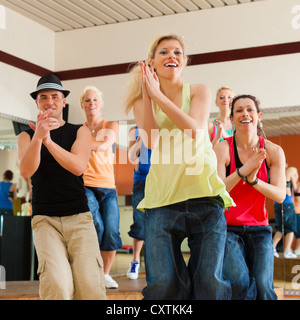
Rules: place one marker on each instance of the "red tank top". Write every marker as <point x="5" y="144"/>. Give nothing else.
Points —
<point x="250" y="204"/>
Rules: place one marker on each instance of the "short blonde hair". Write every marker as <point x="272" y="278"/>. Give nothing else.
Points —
<point x="91" y="88"/>
<point x="223" y="88"/>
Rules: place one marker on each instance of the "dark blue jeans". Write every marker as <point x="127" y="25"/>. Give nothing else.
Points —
<point x="103" y="204"/>
<point x="249" y="262"/>
<point x="203" y="222"/>
<point x="289" y="217"/>
<point x="137" y="228"/>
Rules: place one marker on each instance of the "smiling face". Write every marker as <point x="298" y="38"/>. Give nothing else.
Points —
<point x="53" y="100"/>
<point x="244" y="114"/>
<point x="168" y="59"/>
<point x="91" y="103"/>
<point x="224" y="98"/>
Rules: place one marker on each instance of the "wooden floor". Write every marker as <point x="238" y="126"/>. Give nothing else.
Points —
<point x="131" y="289"/>
<point x="128" y="290"/>
<point x="29" y="290"/>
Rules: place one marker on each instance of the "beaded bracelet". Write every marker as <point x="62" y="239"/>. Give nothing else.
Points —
<point x="253" y="183"/>
<point x="242" y="177"/>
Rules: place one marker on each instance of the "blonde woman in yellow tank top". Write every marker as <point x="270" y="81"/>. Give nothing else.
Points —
<point x="184" y="197"/>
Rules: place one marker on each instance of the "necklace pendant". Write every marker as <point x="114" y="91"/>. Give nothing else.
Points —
<point x="93" y="131"/>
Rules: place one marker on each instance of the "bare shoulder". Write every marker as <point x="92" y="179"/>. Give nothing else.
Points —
<point x="210" y="126"/>
<point x="113" y="125"/>
<point x="23" y="137"/>
<point x="200" y="89"/>
<point x="275" y="152"/>
<point x="273" y="148"/>
<point x="222" y="151"/>
<point x="83" y="133"/>
<point x="83" y="130"/>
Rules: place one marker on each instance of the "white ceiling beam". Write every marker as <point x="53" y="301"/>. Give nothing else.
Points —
<point x="202" y="4"/>
<point x="162" y="7"/>
<point x="107" y="10"/>
<point x="93" y="11"/>
<point x="74" y="6"/>
<point x="216" y="3"/>
<point x="188" y="4"/>
<point x="145" y="5"/>
<point x="120" y="9"/>
<point x="175" y="6"/>
<point x="230" y="2"/>
<point x="55" y="13"/>
<point x="130" y="6"/>
<point x="68" y="13"/>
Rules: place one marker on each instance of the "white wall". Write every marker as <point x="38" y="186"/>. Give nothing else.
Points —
<point x="31" y="42"/>
<point x="15" y="86"/>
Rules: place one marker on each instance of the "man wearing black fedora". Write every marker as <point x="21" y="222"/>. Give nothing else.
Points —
<point x="54" y="154"/>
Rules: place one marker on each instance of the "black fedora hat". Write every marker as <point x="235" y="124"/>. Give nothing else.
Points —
<point x="49" y="82"/>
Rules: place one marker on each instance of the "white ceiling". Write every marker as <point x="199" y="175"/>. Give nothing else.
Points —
<point x="61" y="15"/>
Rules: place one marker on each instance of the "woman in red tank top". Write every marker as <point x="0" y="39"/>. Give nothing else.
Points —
<point x="252" y="168"/>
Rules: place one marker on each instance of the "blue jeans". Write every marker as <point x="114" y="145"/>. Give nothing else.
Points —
<point x="203" y="222"/>
<point x="289" y="217"/>
<point x="137" y="228"/>
<point x="249" y="262"/>
<point x="103" y="204"/>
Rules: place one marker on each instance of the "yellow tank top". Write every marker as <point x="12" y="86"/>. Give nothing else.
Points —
<point x="100" y="170"/>
<point x="181" y="168"/>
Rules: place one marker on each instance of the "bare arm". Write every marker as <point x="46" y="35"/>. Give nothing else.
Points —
<point x="106" y="137"/>
<point x="29" y="154"/>
<point x="220" y="132"/>
<point x="223" y="156"/>
<point x="251" y="165"/>
<point x="13" y="189"/>
<point x="77" y="159"/>
<point x="145" y="116"/>
<point x="274" y="190"/>
<point x="134" y="147"/>
<point x="29" y="150"/>
<point x="199" y="109"/>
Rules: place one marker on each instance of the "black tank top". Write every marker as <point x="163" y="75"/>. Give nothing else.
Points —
<point x="55" y="190"/>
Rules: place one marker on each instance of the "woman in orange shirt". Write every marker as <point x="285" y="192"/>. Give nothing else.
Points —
<point x="99" y="180"/>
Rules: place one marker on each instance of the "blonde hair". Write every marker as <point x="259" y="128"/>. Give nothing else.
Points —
<point x="91" y="88"/>
<point x="134" y="86"/>
<point x="223" y="88"/>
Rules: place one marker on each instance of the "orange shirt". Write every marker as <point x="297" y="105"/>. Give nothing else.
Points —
<point x="100" y="170"/>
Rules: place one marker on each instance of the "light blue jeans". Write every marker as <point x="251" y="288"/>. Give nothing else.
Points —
<point x="103" y="204"/>
<point x="249" y="262"/>
<point x="203" y="222"/>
